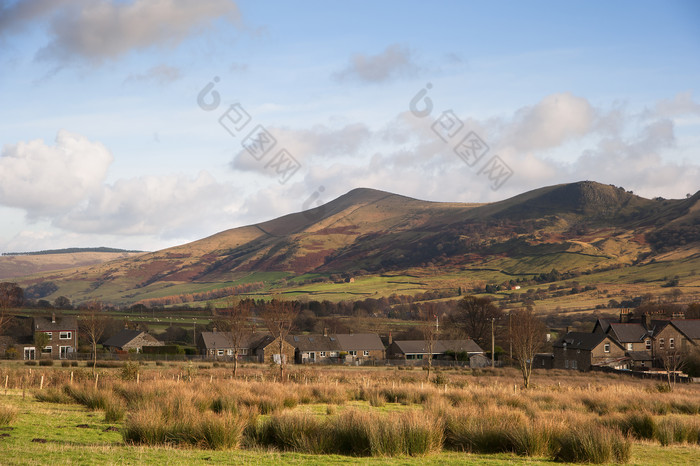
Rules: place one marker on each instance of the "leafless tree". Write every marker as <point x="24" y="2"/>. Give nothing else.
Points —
<point x="11" y="297"/>
<point x="234" y="323"/>
<point x="473" y="317"/>
<point x="93" y="325"/>
<point x="528" y="339"/>
<point x="429" y="328"/>
<point x="673" y="361"/>
<point x="279" y="316"/>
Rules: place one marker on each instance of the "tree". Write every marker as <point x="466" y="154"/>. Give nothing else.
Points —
<point x="279" y="316"/>
<point x="235" y="324"/>
<point x="41" y="341"/>
<point x="673" y="361"/>
<point x="429" y="328"/>
<point x="62" y="303"/>
<point x="473" y="317"/>
<point x="93" y="325"/>
<point x="11" y="297"/>
<point x="528" y="336"/>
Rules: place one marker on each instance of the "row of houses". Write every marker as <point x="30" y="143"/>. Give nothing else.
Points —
<point x="639" y="344"/>
<point x="334" y="348"/>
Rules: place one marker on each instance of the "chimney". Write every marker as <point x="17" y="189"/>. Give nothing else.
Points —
<point x="53" y="317"/>
<point x="624" y="316"/>
<point x="325" y="331"/>
<point x="567" y="330"/>
<point x="390" y="339"/>
<point x="213" y="329"/>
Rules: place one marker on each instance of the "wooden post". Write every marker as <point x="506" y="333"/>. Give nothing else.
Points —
<point x="6" y="379"/>
<point x="41" y="385"/>
<point x="138" y="378"/>
<point x="97" y="377"/>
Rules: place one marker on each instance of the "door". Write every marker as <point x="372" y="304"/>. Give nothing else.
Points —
<point x="29" y="353"/>
<point x="65" y="351"/>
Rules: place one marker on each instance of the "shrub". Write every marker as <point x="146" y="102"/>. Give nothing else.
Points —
<point x="65" y="363"/>
<point x="46" y="362"/>
<point x="130" y="371"/>
<point x="592" y="444"/>
<point x="7" y="415"/>
<point x="53" y="395"/>
<point x="30" y="363"/>
<point x="74" y="364"/>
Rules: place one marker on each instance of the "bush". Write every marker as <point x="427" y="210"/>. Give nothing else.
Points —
<point x="592" y="444"/>
<point x="65" y="363"/>
<point x="130" y="371"/>
<point x="46" y="362"/>
<point x="30" y="363"/>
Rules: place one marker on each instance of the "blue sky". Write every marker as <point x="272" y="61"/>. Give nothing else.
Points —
<point x="104" y="142"/>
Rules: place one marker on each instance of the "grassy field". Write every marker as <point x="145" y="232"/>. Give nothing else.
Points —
<point x="196" y="414"/>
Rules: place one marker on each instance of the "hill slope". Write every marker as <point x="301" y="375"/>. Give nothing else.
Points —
<point x="581" y="226"/>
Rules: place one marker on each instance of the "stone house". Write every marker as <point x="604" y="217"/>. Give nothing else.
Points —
<point x="360" y="346"/>
<point x="419" y="349"/>
<point x="130" y="340"/>
<point x="254" y="347"/>
<point x="580" y="351"/>
<point x="315" y="348"/>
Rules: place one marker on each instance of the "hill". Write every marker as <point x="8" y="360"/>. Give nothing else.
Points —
<point x="583" y="227"/>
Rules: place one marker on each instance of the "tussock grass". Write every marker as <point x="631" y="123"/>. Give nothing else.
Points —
<point x="7" y="415"/>
<point x="593" y="443"/>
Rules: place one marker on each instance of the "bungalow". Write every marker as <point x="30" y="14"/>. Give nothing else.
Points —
<point x="130" y="340"/>
<point x="419" y="349"/>
<point x="315" y="348"/>
<point x="580" y="351"/>
<point x="62" y="333"/>
<point x="361" y="346"/>
<point x="255" y="346"/>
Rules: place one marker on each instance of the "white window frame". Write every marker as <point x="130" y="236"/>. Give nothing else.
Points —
<point x="365" y="353"/>
<point x="606" y="348"/>
<point x="220" y="352"/>
<point x="69" y="335"/>
<point x="574" y="364"/>
<point x="47" y="349"/>
<point x="629" y="346"/>
<point x="671" y="343"/>
<point x="647" y="343"/>
<point x="352" y="353"/>
<point x="322" y="354"/>
<point x="662" y="343"/>
<point x="49" y="334"/>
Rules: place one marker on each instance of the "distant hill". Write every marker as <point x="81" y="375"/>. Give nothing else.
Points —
<point x="581" y="227"/>
<point x="70" y="251"/>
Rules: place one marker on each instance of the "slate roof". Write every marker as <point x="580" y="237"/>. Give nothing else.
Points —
<point x="638" y="355"/>
<point x="315" y="342"/>
<point x="689" y="327"/>
<point x="580" y="340"/>
<point x="221" y="340"/>
<point x="628" y="332"/>
<point x="603" y="324"/>
<point x="359" y="341"/>
<point x="124" y="337"/>
<point x="63" y="323"/>
<point x="440" y="346"/>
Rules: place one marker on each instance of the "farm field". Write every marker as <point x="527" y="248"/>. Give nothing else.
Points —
<point x="178" y="413"/>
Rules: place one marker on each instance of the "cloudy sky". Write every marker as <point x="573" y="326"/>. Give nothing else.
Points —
<point x="143" y="124"/>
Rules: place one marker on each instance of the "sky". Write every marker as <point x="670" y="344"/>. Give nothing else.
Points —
<point x="145" y="124"/>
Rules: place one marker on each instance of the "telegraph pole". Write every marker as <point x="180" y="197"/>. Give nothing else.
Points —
<point x="493" y="344"/>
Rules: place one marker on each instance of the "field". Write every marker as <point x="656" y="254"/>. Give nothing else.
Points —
<point x="197" y="413"/>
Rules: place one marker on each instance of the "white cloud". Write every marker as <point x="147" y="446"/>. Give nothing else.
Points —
<point x="160" y="74"/>
<point x="394" y="61"/>
<point x="681" y="104"/>
<point x="95" y="30"/>
<point x="46" y="180"/>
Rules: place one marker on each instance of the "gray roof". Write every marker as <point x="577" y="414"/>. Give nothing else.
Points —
<point x="628" y="332"/>
<point x="222" y="340"/>
<point x="123" y="338"/>
<point x="690" y="327"/>
<point x="639" y="355"/>
<point x="581" y="340"/>
<point x="63" y="323"/>
<point x="315" y="342"/>
<point x="440" y="346"/>
<point x="359" y="341"/>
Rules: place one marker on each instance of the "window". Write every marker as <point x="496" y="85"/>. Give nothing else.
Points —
<point x="606" y="348"/>
<point x="230" y="352"/>
<point x="647" y="343"/>
<point x="243" y="351"/>
<point x="671" y="343"/>
<point x="322" y="354"/>
<point x="566" y="364"/>
<point x="643" y="364"/>
<point x="46" y="350"/>
<point x="65" y="335"/>
<point x="49" y="334"/>
<point x="334" y="354"/>
<point x="661" y="343"/>
<point x="629" y="346"/>
<point x="220" y="352"/>
<point x="365" y="353"/>
<point x="574" y="365"/>
<point x="352" y="353"/>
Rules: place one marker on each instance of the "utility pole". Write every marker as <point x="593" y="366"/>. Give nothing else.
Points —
<point x="493" y="344"/>
<point x="510" y="337"/>
<point x="194" y="331"/>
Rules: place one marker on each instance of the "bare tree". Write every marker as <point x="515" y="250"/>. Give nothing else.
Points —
<point x="235" y="323"/>
<point x="279" y="316"/>
<point x="673" y="361"/>
<point x="93" y="325"/>
<point x="429" y="327"/>
<point x="11" y="297"/>
<point x="473" y="317"/>
<point x="528" y="339"/>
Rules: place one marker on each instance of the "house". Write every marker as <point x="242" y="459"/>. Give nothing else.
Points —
<point x="360" y="346"/>
<point x="580" y="351"/>
<point x="543" y="361"/>
<point x="419" y="349"/>
<point x="254" y="346"/>
<point x="315" y="348"/>
<point x="676" y="335"/>
<point x="130" y="340"/>
<point x="62" y="333"/>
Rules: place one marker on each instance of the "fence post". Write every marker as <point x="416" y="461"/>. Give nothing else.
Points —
<point x="97" y="377"/>
<point x="71" y="377"/>
<point x="41" y="384"/>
